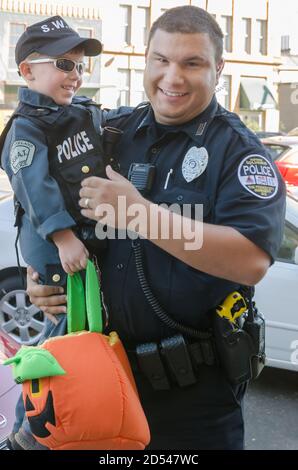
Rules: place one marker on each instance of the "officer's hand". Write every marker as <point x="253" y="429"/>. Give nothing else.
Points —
<point x="50" y="299"/>
<point x="116" y="192"/>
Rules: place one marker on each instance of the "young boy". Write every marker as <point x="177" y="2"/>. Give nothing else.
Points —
<point x="52" y="143"/>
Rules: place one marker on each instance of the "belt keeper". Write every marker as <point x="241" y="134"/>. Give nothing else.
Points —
<point x="178" y="360"/>
<point x="207" y="352"/>
<point x="151" y="365"/>
<point x="196" y="353"/>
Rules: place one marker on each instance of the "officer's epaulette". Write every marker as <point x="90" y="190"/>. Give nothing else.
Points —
<point x="122" y="114"/>
<point x="123" y="111"/>
<point x="234" y="121"/>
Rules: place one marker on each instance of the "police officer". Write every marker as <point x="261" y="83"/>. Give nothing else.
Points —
<point x="200" y="154"/>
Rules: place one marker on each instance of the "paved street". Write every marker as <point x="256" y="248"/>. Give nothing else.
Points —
<point x="271" y="411"/>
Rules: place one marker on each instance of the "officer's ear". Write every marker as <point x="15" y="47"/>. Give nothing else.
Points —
<point x="219" y="67"/>
<point x="25" y="71"/>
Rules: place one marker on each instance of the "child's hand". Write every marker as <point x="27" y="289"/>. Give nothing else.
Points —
<point x="72" y="252"/>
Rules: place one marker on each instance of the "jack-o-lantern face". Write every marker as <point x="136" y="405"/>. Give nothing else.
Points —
<point x="47" y="415"/>
<point x="94" y="405"/>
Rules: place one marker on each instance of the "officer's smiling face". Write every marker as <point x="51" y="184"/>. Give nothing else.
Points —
<point x="180" y="75"/>
<point x="58" y="85"/>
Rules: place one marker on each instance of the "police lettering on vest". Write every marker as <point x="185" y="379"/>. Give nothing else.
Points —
<point x="74" y="146"/>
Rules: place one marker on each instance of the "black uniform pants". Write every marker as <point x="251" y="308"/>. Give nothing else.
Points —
<point x="204" y="416"/>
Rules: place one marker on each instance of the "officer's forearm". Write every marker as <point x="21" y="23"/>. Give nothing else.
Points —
<point x="224" y="253"/>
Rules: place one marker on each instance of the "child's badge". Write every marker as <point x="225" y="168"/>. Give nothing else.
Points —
<point x="194" y="163"/>
<point x="21" y="154"/>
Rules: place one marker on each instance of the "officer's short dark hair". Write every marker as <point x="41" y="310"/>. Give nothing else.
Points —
<point x="189" y="19"/>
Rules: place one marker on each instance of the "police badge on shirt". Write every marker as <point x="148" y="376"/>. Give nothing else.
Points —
<point x="194" y="163"/>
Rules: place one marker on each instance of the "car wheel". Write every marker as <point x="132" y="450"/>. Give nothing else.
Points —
<point x="20" y="319"/>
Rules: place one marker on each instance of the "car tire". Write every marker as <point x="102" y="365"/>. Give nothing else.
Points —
<point x="20" y="319"/>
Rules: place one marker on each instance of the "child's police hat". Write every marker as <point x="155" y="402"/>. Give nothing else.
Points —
<point x="53" y="37"/>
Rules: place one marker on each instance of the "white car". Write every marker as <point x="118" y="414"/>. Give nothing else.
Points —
<point x="18" y="317"/>
<point x="276" y="295"/>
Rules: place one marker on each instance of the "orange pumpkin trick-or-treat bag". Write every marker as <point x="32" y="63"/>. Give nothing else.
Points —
<point x="78" y="389"/>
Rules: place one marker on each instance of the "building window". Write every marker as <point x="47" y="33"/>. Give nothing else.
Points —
<point x="131" y="89"/>
<point x="11" y="95"/>
<point x="137" y="88"/>
<point x="285" y="44"/>
<point x="125" y="11"/>
<point x="262" y="34"/>
<point x="223" y="91"/>
<point x="15" y="31"/>
<point x="247" y="34"/>
<point x="254" y="120"/>
<point x="124" y="87"/>
<point x="227" y="31"/>
<point x="86" y="33"/>
<point x="143" y="23"/>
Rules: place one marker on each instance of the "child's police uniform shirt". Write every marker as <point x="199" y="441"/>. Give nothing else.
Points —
<point x="48" y="151"/>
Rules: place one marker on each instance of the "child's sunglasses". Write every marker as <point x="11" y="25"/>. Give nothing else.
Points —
<point x="63" y="64"/>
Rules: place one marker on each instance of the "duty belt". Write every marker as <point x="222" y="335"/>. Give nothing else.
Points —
<point x="173" y="361"/>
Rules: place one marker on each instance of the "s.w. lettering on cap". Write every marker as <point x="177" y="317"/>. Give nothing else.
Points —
<point x="58" y="24"/>
<point x="53" y="37"/>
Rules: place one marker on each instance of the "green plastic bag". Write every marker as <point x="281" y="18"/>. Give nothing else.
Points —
<point x="80" y="301"/>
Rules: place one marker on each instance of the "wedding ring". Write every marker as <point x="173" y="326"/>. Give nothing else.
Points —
<point x="87" y="203"/>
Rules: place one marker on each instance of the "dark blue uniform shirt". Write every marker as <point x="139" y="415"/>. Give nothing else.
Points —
<point x="238" y="186"/>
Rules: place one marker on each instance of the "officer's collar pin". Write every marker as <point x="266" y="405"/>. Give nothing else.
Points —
<point x="141" y="123"/>
<point x="201" y="128"/>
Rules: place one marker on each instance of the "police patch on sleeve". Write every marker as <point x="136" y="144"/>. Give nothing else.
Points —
<point x="21" y="154"/>
<point x="194" y="163"/>
<point x="257" y="175"/>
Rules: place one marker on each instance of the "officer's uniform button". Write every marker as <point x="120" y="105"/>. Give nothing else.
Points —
<point x="85" y="169"/>
<point x="56" y="278"/>
<point x="120" y="266"/>
<point x="180" y="197"/>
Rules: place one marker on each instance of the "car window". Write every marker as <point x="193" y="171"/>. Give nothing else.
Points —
<point x="275" y="150"/>
<point x="289" y="244"/>
<point x="292" y="157"/>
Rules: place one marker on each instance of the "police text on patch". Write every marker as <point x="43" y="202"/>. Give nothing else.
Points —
<point x="257" y="175"/>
